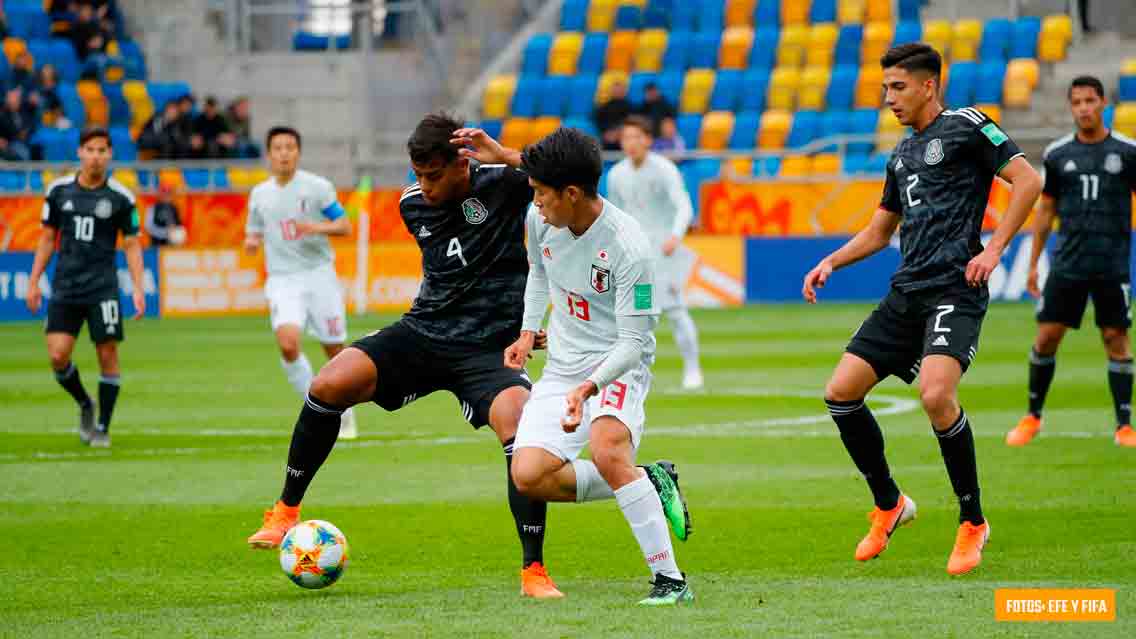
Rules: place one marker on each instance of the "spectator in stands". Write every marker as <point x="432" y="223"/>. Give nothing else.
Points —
<point x="51" y="107"/>
<point x="656" y="107"/>
<point x="86" y="31"/>
<point x="609" y="116"/>
<point x="162" y="137"/>
<point x="210" y="124"/>
<point x="16" y="128"/>
<point x="163" y="223"/>
<point x="241" y="126"/>
<point x="23" y="73"/>
<point x="3" y="24"/>
<point x="668" y="139"/>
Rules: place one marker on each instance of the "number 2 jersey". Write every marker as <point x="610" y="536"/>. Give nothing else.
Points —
<point x="473" y="260"/>
<point x="88" y="222"/>
<point x="939" y="181"/>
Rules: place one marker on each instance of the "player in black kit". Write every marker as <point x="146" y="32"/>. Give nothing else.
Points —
<point x="84" y="213"/>
<point x="468" y="221"/>
<point x="1089" y="179"/>
<point x="938" y="183"/>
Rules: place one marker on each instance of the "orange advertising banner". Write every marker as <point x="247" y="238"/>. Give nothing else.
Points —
<point x="1050" y="604"/>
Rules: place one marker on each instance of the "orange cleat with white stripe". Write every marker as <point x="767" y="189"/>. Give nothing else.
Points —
<point x="969" y="542"/>
<point x="884" y="523"/>
<point x="536" y="583"/>
<point x="1024" y="432"/>
<point x="277" y="523"/>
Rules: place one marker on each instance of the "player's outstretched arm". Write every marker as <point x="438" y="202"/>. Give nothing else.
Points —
<point x="335" y="228"/>
<point x="871" y="240"/>
<point x="1026" y="185"/>
<point x="43" y="253"/>
<point x="132" y="246"/>
<point x="476" y="144"/>
<point x="1042" y="227"/>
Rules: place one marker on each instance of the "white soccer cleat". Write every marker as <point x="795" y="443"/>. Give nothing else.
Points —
<point x="347" y="427"/>
<point x="692" y="380"/>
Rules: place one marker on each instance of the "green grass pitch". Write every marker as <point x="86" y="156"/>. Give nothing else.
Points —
<point x="148" y="539"/>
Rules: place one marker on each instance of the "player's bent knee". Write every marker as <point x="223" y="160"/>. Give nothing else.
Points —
<point x="937" y="398"/>
<point x="836" y="392"/>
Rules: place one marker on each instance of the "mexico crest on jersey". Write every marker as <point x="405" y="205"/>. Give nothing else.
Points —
<point x="1113" y="164"/>
<point x="474" y="211"/>
<point x="934" y="153"/>
<point x="601" y="279"/>
<point x="103" y="209"/>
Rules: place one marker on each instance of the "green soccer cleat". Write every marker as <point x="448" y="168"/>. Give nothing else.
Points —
<point x="668" y="592"/>
<point x="86" y="423"/>
<point x="665" y="479"/>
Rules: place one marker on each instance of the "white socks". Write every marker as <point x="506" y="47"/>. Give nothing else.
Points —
<point x="644" y="512"/>
<point x="590" y="484"/>
<point x="299" y="374"/>
<point x="686" y="337"/>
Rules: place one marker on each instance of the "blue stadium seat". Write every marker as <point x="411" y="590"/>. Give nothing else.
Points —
<point x="4" y="70"/>
<point x="832" y="124"/>
<point x="72" y="105"/>
<point x="135" y="62"/>
<point x="41" y="51"/>
<point x="29" y="23"/>
<point x="728" y="89"/>
<point x="822" y="11"/>
<point x="59" y="145"/>
<point x="689" y="126"/>
<point x="767" y="13"/>
<point x="806" y="128"/>
<point x="695" y="172"/>
<point x="574" y="15"/>
<point x="628" y="17"/>
<point x="677" y="56"/>
<point x="756" y="83"/>
<point x="535" y="57"/>
<point x="908" y="31"/>
<point x="990" y="78"/>
<point x="1109" y="111"/>
<point x="492" y="127"/>
<point x="525" y="96"/>
<point x="705" y="53"/>
<point x="124" y="147"/>
<point x="35" y="181"/>
<point x="960" y="84"/>
<point x="638" y="86"/>
<point x="877" y="163"/>
<point x="909" y="10"/>
<point x="684" y="16"/>
<point x="119" y="109"/>
<point x="744" y="135"/>
<point x="65" y="61"/>
<point x="584" y="124"/>
<point x="13" y="181"/>
<point x="854" y="163"/>
<point x="221" y="179"/>
<point x="196" y="179"/>
<point x="711" y="15"/>
<point x="995" y="40"/>
<point x="553" y="95"/>
<point x="1023" y="40"/>
<point x="848" y="44"/>
<point x="842" y="87"/>
<point x="862" y="122"/>
<point x="305" y="41"/>
<point x="582" y="93"/>
<point x="592" y="54"/>
<point x="767" y="167"/>
<point x="657" y="15"/>
<point x="1127" y="88"/>
<point x="763" y="55"/>
<point x="670" y="85"/>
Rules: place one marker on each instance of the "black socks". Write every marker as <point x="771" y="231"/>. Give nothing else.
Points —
<point x="312" y="440"/>
<point x="68" y="378"/>
<point x="108" y="395"/>
<point x="865" y="444"/>
<point x="957" y="446"/>
<point x="1041" y="369"/>
<point x="1120" y="383"/>
<point x="529" y="514"/>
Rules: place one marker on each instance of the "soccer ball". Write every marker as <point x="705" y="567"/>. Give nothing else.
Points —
<point x="313" y="554"/>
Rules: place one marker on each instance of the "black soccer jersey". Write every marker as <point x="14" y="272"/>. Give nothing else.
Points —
<point x="1092" y="185"/>
<point x="88" y="222"/>
<point x="473" y="260"/>
<point x="939" y="180"/>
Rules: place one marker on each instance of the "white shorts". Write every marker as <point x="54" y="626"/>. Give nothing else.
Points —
<point x="540" y="425"/>
<point x="311" y="300"/>
<point x="671" y="273"/>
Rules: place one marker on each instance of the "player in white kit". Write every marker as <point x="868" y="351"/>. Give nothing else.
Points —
<point x="649" y="187"/>
<point x="291" y="214"/>
<point x="593" y="262"/>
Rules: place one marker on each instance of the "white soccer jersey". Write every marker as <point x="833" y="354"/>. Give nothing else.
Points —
<point x="273" y="211"/>
<point x="654" y="194"/>
<point x="593" y="280"/>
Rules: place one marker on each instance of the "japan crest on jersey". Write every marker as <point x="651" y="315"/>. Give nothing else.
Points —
<point x="601" y="279"/>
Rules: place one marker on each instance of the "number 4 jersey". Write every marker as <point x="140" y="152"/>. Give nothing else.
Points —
<point x="939" y="181"/>
<point x="88" y="222"/>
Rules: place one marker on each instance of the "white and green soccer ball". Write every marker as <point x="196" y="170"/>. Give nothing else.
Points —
<point x="313" y="554"/>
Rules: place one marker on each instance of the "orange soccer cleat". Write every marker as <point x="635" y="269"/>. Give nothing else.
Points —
<point x="277" y="523"/>
<point x="536" y="583"/>
<point x="1027" y="428"/>
<point x="967" y="553"/>
<point x="884" y="523"/>
<point x="1125" y="436"/>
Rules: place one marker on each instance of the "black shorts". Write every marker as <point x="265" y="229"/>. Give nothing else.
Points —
<point x="906" y="327"/>
<point x="411" y="366"/>
<point x="104" y="319"/>
<point x="1064" y="300"/>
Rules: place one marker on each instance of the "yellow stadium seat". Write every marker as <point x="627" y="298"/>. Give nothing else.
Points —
<point x="877" y="40"/>
<point x="794" y="12"/>
<point x="134" y="90"/>
<point x="516" y="132"/>
<point x="1017" y="95"/>
<point x="965" y="37"/>
<point x="565" y="53"/>
<point x="88" y="90"/>
<point x="696" y="91"/>
<point x="879" y="10"/>
<point x="869" y="93"/>
<point x="128" y="177"/>
<point x="850" y="11"/>
<point x="796" y="166"/>
<point x="888" y="130"/>
<point x="1129" y="67"/>
<point x="774" y="128"/>
<point x="826" y="164"/>
<point x="171" y="177"/>
<point x="791" y="47"/>
<point x="717" y="126"/>
<point x="741" y="167"/>
<point x="650" y="48"/>
<point x="608" y="78"/>
<point x="601" y="14"/>
<point x="1023" y="70"/>
<point x="739" y="13"/>
<point x="542" y="127"/>
<point x="822" y="42"/>
<point x="13" y="47"/>
<point x="736" y="43"/>
<point x="938" y="33"/>
<point x="783" y="85"/>
<point x="992" y="110"/>
<point x="498" y="96"/>
<point x="813" y="87"/>
<point x="1054" y="38"/>
<point x="1124" y="120"/>
<point x="621" y="50"/>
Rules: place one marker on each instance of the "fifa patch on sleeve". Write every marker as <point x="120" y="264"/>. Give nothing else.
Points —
<point x="643" y="297"/>
<point x="994" y="134"/>
<point x="134" y="218"/>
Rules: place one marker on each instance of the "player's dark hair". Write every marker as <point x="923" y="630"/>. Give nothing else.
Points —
<point x="430" y="140"/>
<point x="640" y="122"/>
<point x="282" y="130"/>
<point x="91" y="133"/>
<point x="1087" y="81"/>
<point x="566" y="157"/>
<point x="914" y="56"/>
